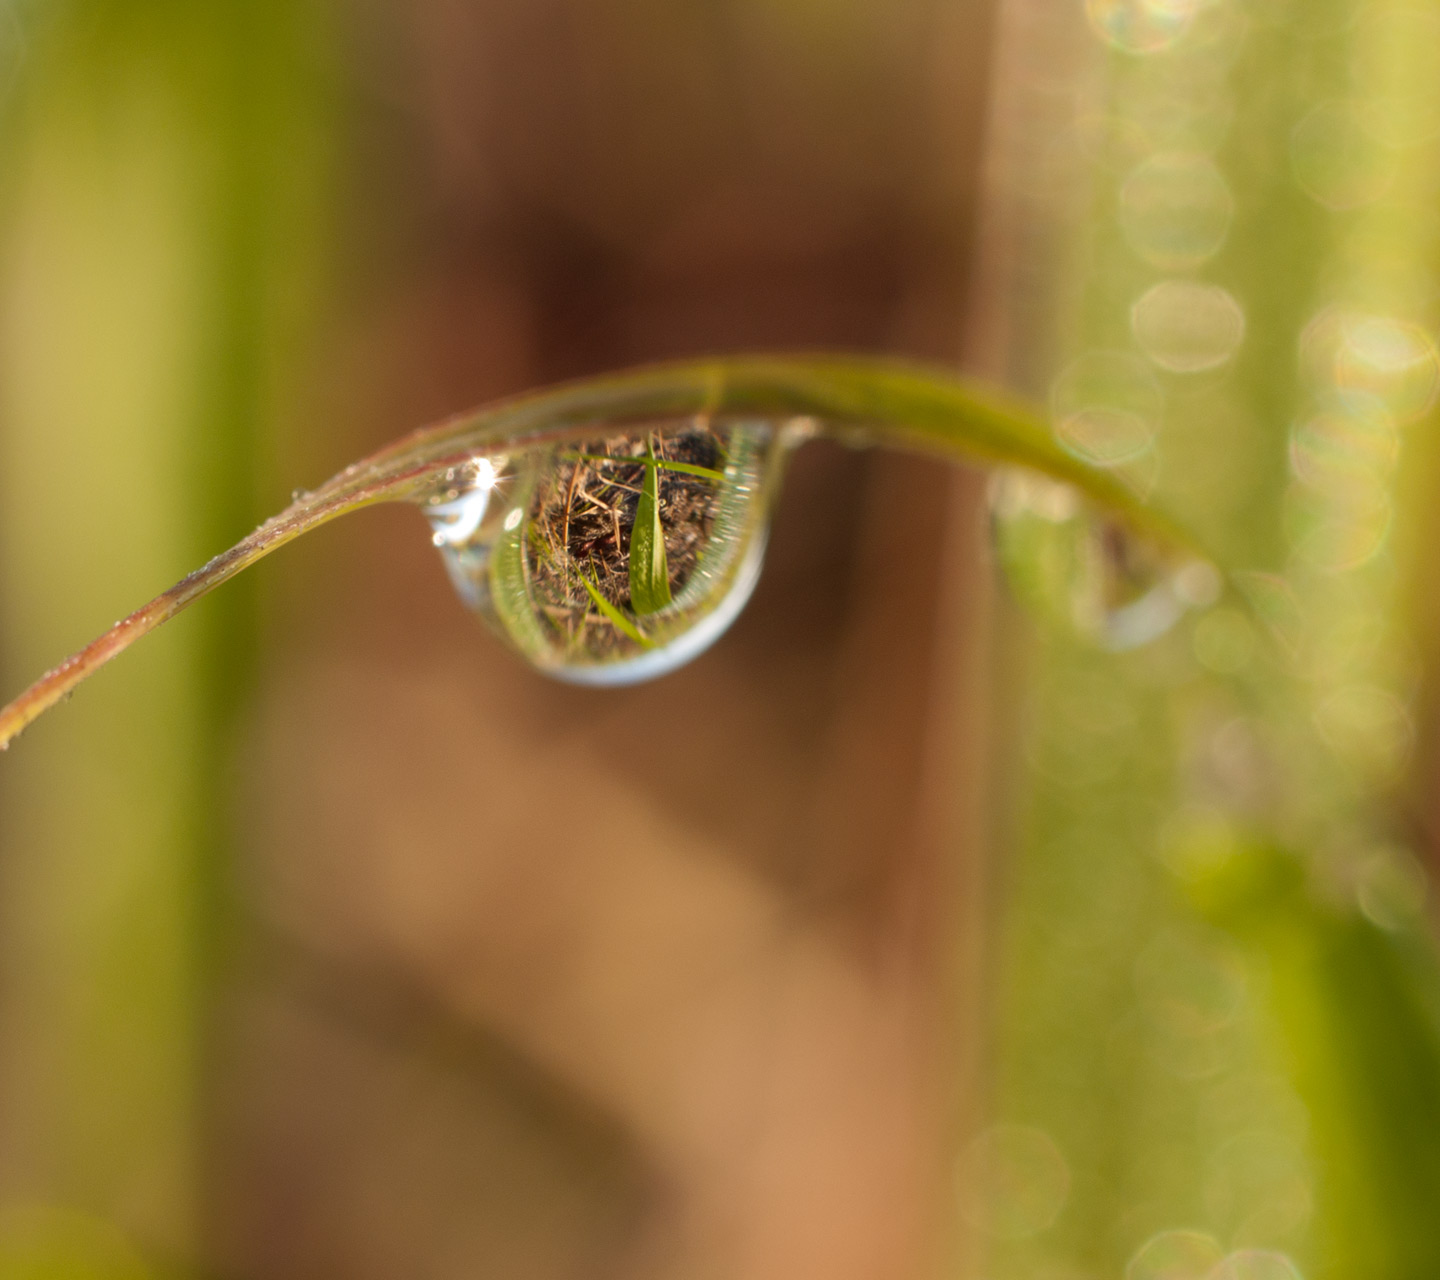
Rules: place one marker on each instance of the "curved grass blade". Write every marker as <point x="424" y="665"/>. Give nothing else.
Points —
<point x="908" y="406"/>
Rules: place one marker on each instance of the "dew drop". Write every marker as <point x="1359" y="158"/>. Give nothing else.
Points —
<point x="618" y="555"/>
<point x="1083" y="572"/>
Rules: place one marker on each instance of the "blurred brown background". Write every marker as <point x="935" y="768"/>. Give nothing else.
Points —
<point x="548" y="982"/>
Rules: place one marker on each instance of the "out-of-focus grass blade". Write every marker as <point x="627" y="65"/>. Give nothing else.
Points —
<point x="1356" y="1008"/>
<point x="649" y="569"/>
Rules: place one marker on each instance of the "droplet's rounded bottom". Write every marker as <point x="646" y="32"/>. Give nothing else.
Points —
<point x="686" y="648"/>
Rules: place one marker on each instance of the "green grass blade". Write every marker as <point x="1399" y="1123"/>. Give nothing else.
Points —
<point x="907" y="406"/>
<point x="613" y="615"/>
<point x="684" y="468"/>
<point x="649" y="569"/>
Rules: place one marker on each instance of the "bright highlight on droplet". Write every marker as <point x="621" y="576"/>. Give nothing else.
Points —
<point x="1336" y="159"/>
<point x="1175" y="1255"/>
<point x="1176" y="209"/>
<point x="1013" y="1181"/>
<point x="1141" y="26"/>
<point x="1187" y="327"/>
<point x="455" y="521"/>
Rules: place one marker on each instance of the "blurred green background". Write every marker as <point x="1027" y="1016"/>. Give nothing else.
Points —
<point x="926" y="926"/>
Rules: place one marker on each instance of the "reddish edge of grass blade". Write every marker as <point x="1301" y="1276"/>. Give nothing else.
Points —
<point x="56" y="683"/>
<point x="890" y="402"/>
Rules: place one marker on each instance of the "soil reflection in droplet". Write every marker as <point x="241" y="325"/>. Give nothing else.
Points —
<point x="618" y="555"/>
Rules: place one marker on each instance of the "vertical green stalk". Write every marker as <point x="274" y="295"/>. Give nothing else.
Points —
<point x="161" y="173"/>
<point x="1216" y="1023"/>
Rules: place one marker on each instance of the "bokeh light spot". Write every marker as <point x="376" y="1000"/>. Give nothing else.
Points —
<point x="1256" y="1264"/>
<point x="1176" y="209"/>
<point x="1390" y="888"/>
<point x="1186" y="327"/>
<point x="1394" y="360"/>
<point x="1336" y="159"/>
<point x="1013" y="1181"/>
<point x="1175" y="1255"/>
<point x="1350" y="442"/>
<point x="1368" y="726"/>
<point x="1141" y="26"/>
<point x="1106" y="408"/>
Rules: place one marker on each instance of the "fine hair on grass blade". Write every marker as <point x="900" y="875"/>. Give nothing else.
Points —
<point x="886" y="401"/>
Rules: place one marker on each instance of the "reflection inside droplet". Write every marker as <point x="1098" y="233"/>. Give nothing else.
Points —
<point x="615" y="558"/>
<point x="1187" y="327"/>
<point x="1175" y="210"/>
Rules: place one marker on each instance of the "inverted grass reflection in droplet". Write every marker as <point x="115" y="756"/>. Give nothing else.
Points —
<point x="614" y="559"/>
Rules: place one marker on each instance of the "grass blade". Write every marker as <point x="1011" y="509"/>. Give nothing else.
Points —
<point x="649" y="569"/>
<point x="907" y="406"/>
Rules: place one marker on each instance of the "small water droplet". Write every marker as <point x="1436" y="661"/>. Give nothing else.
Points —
<point x="619" y="556"/>
<point x="1084" y="572"/>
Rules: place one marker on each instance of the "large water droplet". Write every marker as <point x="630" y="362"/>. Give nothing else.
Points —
<point x="618" y="556"/>
<point x="1084" y="572"/>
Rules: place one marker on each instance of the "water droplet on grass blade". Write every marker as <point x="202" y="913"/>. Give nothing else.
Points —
<point x="1085" y="572"/>
<point x="617" y="556"/>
